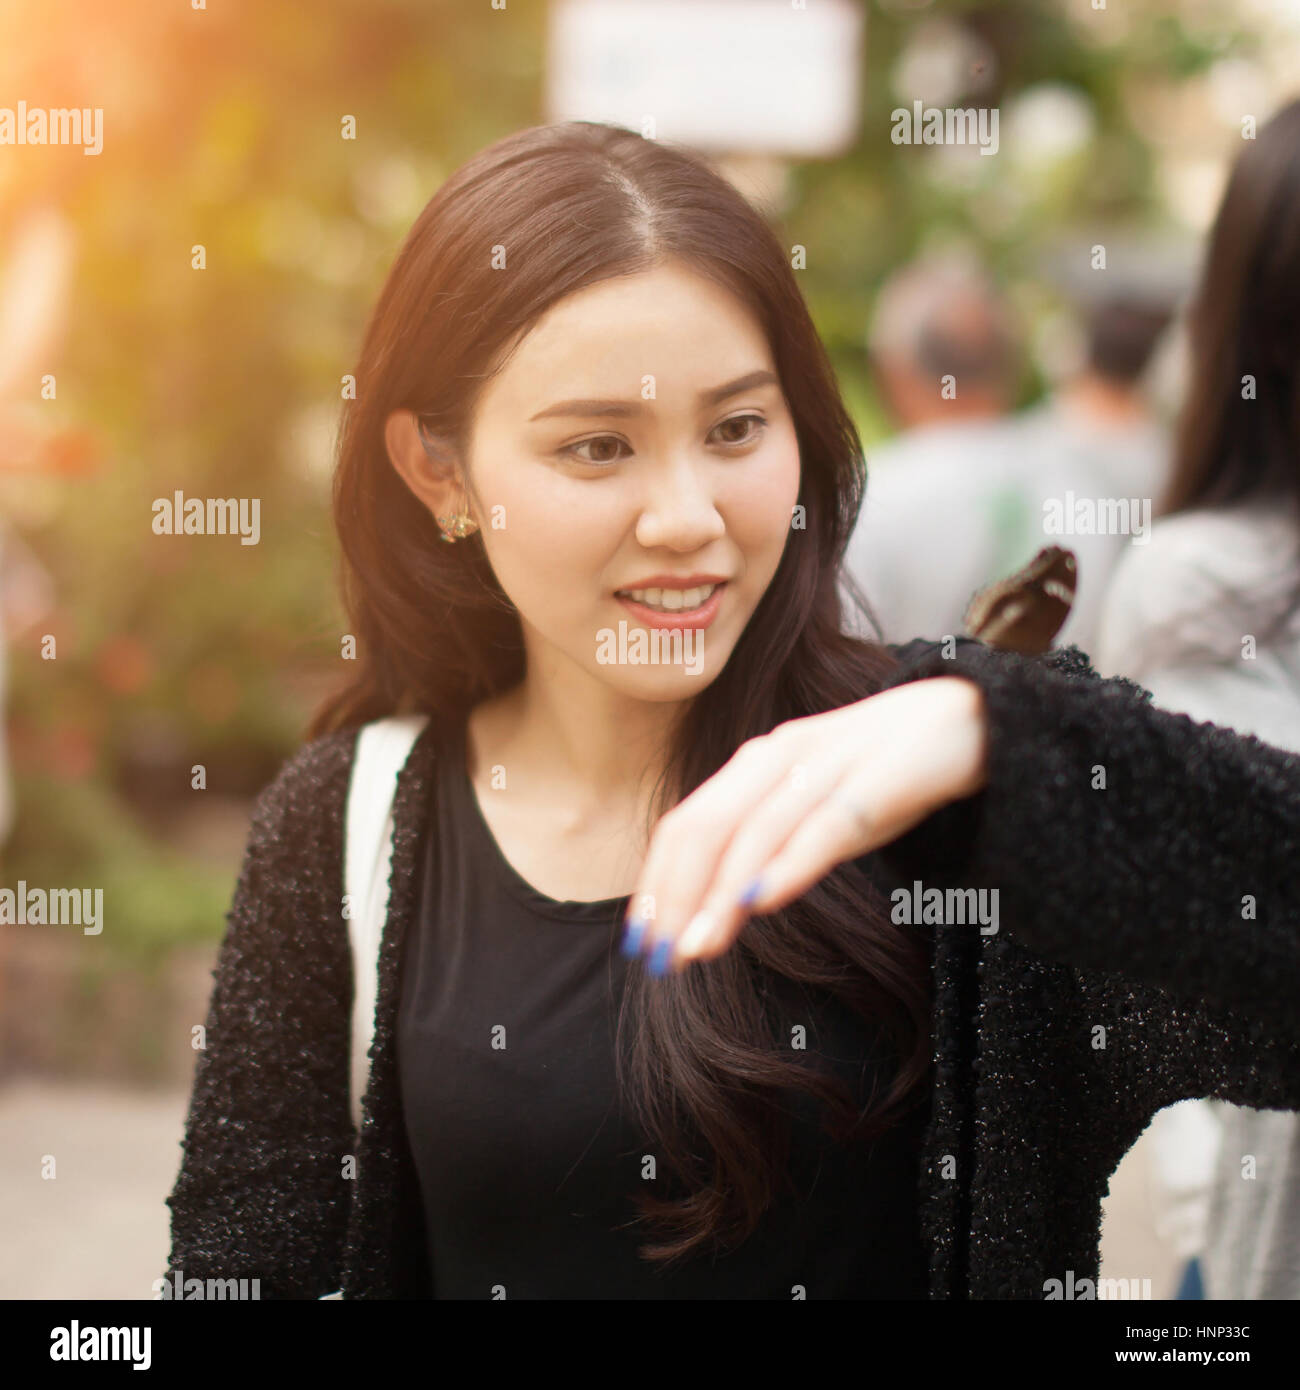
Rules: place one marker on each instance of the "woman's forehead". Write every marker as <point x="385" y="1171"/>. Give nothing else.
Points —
<point x="631" y="341"/>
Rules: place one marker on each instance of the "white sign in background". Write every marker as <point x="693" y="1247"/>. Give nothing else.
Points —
<point x="744" y="76"/>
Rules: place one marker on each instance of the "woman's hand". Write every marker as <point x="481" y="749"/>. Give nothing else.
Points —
<point x="793" y="804"/>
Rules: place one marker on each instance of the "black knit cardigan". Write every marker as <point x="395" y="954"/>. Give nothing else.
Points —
<point x="1148" y="950"/>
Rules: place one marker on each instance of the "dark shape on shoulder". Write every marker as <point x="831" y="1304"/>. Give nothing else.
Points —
<point x="1024" y="612"/>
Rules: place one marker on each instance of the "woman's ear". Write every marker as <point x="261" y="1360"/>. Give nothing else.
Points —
<point x="427" y="465"/>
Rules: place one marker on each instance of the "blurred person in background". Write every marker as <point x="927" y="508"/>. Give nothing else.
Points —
<point x="1098" y="436"/>
<point x="1207" y="617"/>
<point x="958" y="499"/>
<point x="944" y="510"/>
<point x="941" y="316"/>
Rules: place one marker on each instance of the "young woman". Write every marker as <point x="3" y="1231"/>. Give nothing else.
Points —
<point x="592" y="408"/>
<point x="1207" y="617"/>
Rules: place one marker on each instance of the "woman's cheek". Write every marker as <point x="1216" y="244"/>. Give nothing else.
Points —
<point x="530" y="531"/>
<point x="763" y="503"/>
<point x="549" y="560"/>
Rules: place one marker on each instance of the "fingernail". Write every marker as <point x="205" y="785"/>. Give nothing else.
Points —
<point x="659" y="957"/>
<point x="750" y="893"/>
<point x="632" y="936"/>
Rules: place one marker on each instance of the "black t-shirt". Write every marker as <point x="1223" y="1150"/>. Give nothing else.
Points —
<point x="528" y="1165"/>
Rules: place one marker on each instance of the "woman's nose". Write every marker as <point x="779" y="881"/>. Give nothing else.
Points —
<point x="678" y="507"/>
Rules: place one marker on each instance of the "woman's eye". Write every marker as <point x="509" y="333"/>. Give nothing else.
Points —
<point x="599" y="442"/>
<point x="606" y="441"/>
<point x="747" y="437"/>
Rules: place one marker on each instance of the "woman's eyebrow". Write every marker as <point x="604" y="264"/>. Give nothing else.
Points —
<point x="713" y="396"/>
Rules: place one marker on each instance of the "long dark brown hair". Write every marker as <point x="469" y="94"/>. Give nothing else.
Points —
<point x="577" y="203"/>
<point x="1245" y="322"/>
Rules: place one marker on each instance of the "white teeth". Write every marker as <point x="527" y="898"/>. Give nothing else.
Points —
<point x="671" y="600"/>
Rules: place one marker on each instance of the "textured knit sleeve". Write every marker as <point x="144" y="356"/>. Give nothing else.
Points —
<point x="1122" y="838"/>
<point x="262" y="1191"/>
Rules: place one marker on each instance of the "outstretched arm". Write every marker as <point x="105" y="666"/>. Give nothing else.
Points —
<point x="1122" y="837"/>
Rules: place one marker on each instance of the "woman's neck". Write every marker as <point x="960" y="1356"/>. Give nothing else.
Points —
<point x="590" y="758"/>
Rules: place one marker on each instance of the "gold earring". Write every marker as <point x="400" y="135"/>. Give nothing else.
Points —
<point x="456" y="526"/>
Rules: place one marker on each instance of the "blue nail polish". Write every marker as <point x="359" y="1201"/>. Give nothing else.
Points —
<point x="659" y="957"/>
<point x="752" y="891"/>
<point x="632" y="936"/>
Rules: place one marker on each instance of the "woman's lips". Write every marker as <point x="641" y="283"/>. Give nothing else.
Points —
<point x="692" y="618"/>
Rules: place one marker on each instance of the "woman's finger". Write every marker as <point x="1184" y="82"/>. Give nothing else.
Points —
<point x="688" y="842"/>
<point x="840" y="826"/>
<point x="766" y="830"/>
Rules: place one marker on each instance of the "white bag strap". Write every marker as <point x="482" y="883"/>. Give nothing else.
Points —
<point x="382" y="749"/>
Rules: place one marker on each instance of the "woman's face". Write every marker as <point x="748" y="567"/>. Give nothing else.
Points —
<point x="636" y="439"/>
